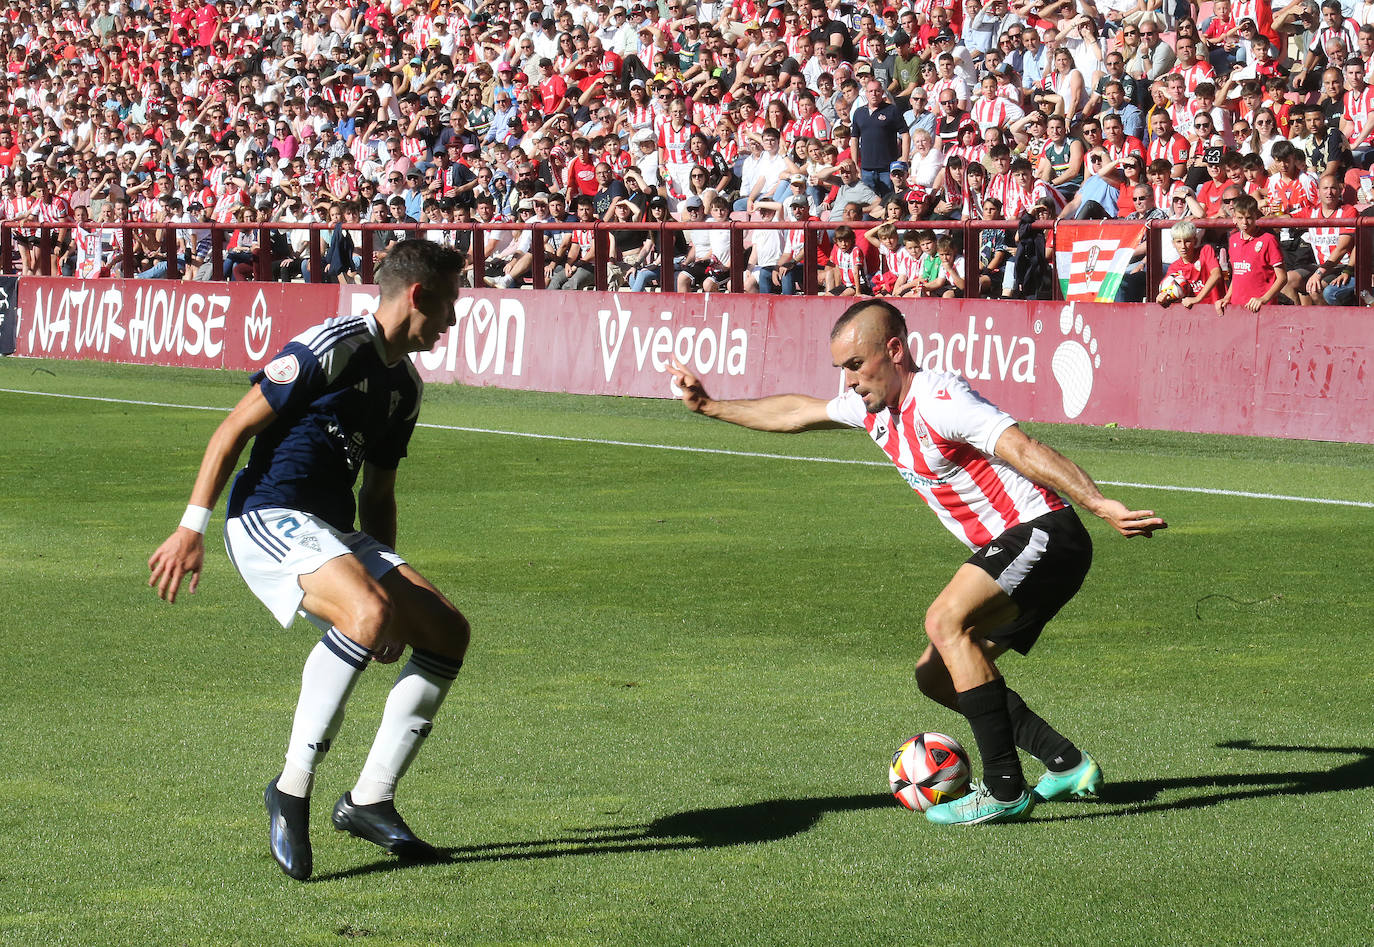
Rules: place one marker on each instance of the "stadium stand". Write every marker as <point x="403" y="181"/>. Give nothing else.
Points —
<point x="435" y="112"/>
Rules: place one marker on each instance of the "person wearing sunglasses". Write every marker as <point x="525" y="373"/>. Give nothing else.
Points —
<point x="1144" y="208"/>
<point x="1155" y="57"/>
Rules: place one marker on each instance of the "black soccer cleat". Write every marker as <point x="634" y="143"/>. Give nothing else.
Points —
<point x="288" y="831"/>
<point x="382" y="825"/>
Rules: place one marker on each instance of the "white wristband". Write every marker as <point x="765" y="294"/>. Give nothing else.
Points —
<point x="196" y="518"/>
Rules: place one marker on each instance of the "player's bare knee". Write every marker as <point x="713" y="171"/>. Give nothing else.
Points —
<point x="372" y="614"/>
<point x="943" y="625"/>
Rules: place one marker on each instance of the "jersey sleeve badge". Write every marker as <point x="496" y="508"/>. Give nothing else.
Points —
<point x="283" y="370"/>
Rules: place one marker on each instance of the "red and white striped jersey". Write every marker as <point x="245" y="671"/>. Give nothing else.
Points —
<point x="1018" y="200"/>
<point x="998" y="185"/>
<point x="675" y="143"/>
<point x="908" y="264"/>
<point x="1324" y="239"/>
<point x="890" y="261"/>
<point x="996" y="112"/>
<point x="813" y="126"/>
<point x="1358" y="107"/>
<point x="942" y="442"/>
<point x="51" y="212"/>
<point x="972" y="154"/>
<point x="640" y="117"/>
<point x="953" y="83"/>
<point x="850" y="263"/>
<point x="226" y="205"/>
<point x="1174" y="149"/>
<point x="1196" y="74"/>
<point x="1292" y="197"/>
<point x="1182" y="116"/>
<point x="1130" y="145"/>
<point x="12" y="208"/>
<point x="706" y="114"/>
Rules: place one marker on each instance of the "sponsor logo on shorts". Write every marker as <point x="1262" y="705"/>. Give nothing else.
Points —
<point x="283" y="370"/>
<point x="916" y="480"/>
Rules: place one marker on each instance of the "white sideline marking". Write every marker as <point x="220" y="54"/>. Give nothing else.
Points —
<point x="1213" y="491"/>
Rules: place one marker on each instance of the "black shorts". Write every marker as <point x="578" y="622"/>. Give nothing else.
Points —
<point x="1041" y="565"/>
<point x="1298" y="258"/>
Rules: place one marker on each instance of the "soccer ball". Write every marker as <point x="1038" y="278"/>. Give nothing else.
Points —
<point x="927" y="770"/>
<point x="1171" y="288"/>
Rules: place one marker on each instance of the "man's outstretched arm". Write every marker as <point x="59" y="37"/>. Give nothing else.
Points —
<point x="183" y="553"/>
<point x="785" y="414"/>
<point x="1049" y="468"/>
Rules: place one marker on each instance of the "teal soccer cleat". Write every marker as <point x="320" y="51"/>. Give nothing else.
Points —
<point x="981" y="806"/>
<point x="1085" y="779"/>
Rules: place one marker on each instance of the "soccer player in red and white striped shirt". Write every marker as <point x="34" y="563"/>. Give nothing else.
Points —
<point x="996" y="490"/>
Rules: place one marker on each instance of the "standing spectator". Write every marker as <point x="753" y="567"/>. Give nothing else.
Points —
<point x="880" y="137"/>
<point x="1257" y="271"/>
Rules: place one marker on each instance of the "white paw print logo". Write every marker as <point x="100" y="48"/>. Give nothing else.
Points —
<point x="1075" y="361"/>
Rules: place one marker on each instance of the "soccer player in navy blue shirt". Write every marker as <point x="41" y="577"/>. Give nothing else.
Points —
<point x="338" y="401"/>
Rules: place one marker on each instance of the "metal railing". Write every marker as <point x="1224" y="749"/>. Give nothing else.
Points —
<point x="46" y="239"/>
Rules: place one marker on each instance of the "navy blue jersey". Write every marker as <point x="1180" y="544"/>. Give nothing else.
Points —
<point x="338" y="404"/>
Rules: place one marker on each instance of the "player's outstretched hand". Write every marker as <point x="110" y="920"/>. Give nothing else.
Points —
<point x="1130" y="523"/>
<point x="182" y="554"/>
<point x="694" y="393"/>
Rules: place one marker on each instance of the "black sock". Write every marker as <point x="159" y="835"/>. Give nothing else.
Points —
<point x="1039" y="739"/>
<point x="985" y="706"/>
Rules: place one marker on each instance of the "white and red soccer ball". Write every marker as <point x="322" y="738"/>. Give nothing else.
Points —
<point x="927" y="770"/>
<point x="1172" y="288"/>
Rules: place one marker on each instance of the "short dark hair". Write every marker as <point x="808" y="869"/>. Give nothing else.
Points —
<point x="416" y="261"/>
<point x="894" y="325"/>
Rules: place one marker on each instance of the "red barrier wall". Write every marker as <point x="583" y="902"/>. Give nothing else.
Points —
<point x="1289" y="372"/>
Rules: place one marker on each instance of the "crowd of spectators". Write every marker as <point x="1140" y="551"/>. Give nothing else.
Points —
<point x="432" y="112"/>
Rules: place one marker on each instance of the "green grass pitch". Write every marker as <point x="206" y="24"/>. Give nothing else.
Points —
<point x="688" y="673"/>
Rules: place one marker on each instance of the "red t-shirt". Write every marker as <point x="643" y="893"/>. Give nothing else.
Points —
<point x="582" y="175"/>
<point x="1197" y="273"/>
<point x="551" y="92"/>
<point x="1252" y="265"/>
<point x="1209" y="196"/>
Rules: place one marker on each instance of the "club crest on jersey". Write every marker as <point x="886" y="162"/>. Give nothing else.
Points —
<point x="283" y="370"/>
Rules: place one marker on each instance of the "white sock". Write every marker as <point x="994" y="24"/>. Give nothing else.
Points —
<point x="334" y="666"/>
<point x="409" y="715"/>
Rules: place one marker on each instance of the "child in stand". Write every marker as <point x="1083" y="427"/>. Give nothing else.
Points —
<point x="1196" y="268"/>
<point x="846" y="276"/>
<point x="889" y="250"/>
<point x="929" y="262"/>
<point x="1257" y="270"/>
<point x="950" y="281"/>
<point x="908" y="265"/>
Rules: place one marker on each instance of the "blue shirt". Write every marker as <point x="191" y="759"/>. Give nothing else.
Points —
<point x="338" y="404"/>
<point x="879" y="135"/>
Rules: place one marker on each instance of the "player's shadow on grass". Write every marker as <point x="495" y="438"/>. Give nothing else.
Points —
<point x="778" y="819"/>
<point x="1137" y="797"/>
<point x="697" y="828"/>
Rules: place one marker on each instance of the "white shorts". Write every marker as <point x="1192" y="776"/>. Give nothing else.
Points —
<point x="273" y="548"/>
